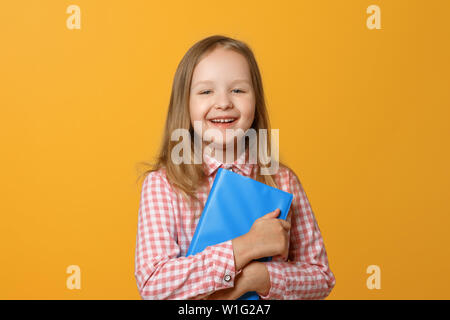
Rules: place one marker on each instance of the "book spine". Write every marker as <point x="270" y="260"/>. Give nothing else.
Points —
<point x="193" y="245"/>
<point x="288" y="206"/>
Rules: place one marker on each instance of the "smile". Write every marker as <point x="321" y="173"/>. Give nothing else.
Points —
<point x="222" y="120"/>
<point x="222" y="123"/>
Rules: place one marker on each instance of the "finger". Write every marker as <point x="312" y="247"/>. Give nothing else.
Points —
<point x="285" y="254"/>
<point x="285" y="224"/>
<point x="280" y="257"/>
<point x="272" y="214"/>
<point x="289" y="216"/>
<point x="287" y="251"/>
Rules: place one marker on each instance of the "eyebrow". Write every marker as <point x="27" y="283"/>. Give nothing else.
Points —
<point x="210" y="81"/>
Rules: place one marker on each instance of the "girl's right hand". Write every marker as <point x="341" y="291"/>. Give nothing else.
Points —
<point x="269" y="236"/>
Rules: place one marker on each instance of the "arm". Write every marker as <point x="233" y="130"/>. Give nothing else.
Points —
<point x="160" y="271"/>
<point x="254" y="277"/>
<point x="306" y="275"/>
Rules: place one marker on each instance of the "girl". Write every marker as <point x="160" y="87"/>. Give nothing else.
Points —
<point x="218" y="80"/>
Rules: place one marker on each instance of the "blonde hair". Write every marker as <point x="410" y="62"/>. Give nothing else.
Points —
<point x="186" y="178"/>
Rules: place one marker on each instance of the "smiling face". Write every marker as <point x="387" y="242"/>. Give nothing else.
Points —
<point x="221" y="95"/>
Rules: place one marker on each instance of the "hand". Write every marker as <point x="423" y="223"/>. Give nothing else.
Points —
<point x="257" y="276"/>
<point x="269" y="236"/>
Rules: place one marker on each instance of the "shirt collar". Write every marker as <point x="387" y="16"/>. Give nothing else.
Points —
<point x="211" y="164"/>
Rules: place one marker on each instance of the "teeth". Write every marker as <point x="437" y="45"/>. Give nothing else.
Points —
<point x="222" y="120"/>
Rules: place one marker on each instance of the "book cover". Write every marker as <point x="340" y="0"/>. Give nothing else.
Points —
<point x="233" y="204"/>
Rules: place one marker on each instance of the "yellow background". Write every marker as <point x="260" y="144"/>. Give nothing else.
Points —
<point x="363" y="118"/>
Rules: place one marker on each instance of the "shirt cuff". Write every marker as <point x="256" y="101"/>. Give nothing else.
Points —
<point x="224" y="270"/>
<point x="277" y="282"/>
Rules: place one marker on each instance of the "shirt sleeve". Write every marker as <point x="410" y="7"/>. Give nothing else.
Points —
<point x="160" y="270"/>
<point x="306" y="274"/>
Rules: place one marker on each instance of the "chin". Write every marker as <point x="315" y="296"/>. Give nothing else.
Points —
<point x="219" y="144"/>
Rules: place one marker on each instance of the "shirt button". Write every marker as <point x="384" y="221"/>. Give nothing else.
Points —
<point x="227" y="278"/>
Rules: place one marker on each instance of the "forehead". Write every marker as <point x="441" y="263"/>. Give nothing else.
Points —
<point x="221" y="65"/>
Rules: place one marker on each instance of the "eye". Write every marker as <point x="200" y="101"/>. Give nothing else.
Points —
<point x="205" y="91"/>
<point x="238" y="90"/>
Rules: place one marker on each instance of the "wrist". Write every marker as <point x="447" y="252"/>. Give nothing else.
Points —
<point x="243" y="251"/>
<point x="263" y="285"/>
<point x="255" y="277"/>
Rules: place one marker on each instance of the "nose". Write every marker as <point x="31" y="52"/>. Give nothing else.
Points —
<point x="224" y="107"/>
<point x="223" y="102"/>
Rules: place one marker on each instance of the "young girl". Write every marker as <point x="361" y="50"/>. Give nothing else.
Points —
<point x="218" y="85"/>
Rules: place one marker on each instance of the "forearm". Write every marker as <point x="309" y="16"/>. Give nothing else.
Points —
<point x="254" y="277"/>
<point x="243" y="252"/>
<point x="186" y="277"/>
<point x="240" y="287"/>
<point x="297" y="281"/>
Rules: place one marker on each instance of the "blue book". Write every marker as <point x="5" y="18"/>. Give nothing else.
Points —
<point x="233" y="204"/>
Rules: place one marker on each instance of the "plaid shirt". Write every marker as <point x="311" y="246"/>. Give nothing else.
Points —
<point x="166" y="225"/>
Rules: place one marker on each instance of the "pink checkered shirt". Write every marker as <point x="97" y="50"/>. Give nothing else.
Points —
<point x="166" y="225"/>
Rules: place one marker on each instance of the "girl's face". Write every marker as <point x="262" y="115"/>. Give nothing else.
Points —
<point x="222" y="89"/>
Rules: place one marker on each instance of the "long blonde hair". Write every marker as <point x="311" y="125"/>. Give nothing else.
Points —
<point x="186" y="178"/>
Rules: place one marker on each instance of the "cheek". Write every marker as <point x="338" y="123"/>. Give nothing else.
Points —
<point x="248" y="115"/>
<point x="196" y="111"/>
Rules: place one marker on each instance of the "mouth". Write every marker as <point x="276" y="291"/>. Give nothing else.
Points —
<point x="222" y="122"/>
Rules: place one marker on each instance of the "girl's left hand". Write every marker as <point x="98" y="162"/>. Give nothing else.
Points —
<point x="253" y="277"/>
<point x="257" y="276"/>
